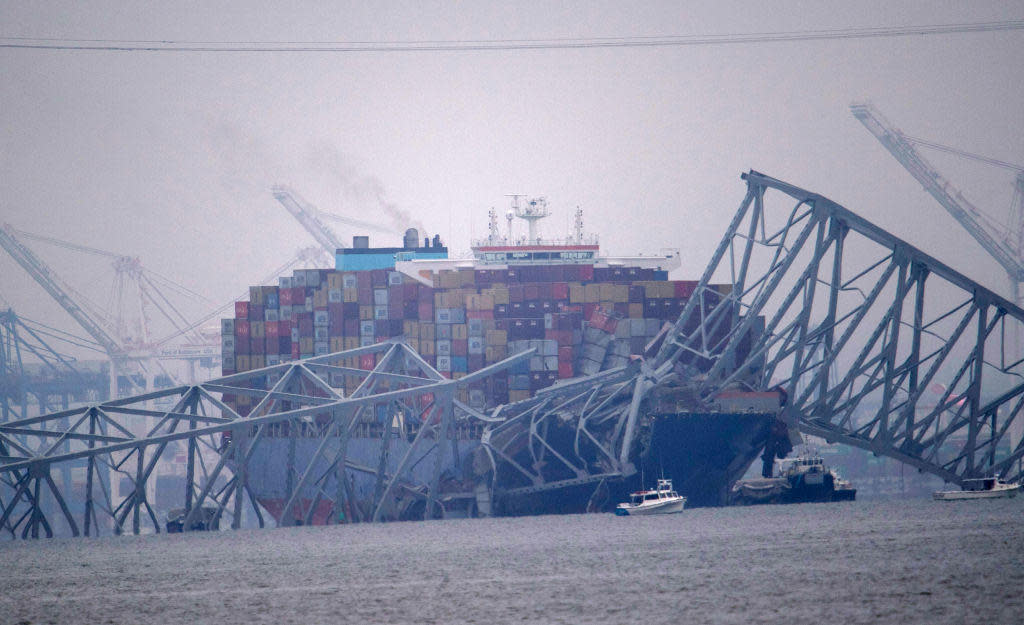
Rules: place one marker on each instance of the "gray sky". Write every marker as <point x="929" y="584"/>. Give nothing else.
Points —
<point x="170" y="155"/>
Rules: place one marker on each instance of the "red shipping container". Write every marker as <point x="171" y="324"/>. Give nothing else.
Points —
<point x="396" y="298"/>
<point x="544" y="291"/>
<point x="560" y="290"/>
<point x="479" y="314"/>
<point x="531" y="292"/>
<point x="410" y="291"/>
<point x="564" y="370"/>
<point x="516" y="294"/>
<point x="242" y="347"/>
<point x="378" y="277"/>
<point x="685" y="288"/>
<point x="241" y="329"/>
<point x="588" y="311"/>
<point x="363" y="280"/>
<point x="460" y="347"/>
<point x="367" y="361"/>
<point x="565" y="354"/>
<point x="295" y="351"/>
<point x="270" y="329"/>
<point x="426" y="311"/>
<point x="241" y="310"/>
<point x="273" y="345"/>
<point x="259" y="346"/>
<point x="586" y="272"/>
<point x="285" y="297"/>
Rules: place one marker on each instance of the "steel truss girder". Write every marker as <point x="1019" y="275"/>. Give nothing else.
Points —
<point x="102" y="438"/>
<point x="927" y="374"/>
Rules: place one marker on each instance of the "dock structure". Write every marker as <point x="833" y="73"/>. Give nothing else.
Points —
<point x="826" y="308"/>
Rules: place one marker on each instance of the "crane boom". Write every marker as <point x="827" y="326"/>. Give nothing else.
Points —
<point x="306" y="216"/>
<point x="49" y="280"/>
<point x="937" y="186"/>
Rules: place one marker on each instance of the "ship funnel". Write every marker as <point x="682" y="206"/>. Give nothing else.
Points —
<point x="412" y="238"/>
<point x="361" y="242"/>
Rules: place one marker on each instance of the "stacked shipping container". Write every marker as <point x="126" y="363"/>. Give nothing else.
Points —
<point x="579" y="318"/>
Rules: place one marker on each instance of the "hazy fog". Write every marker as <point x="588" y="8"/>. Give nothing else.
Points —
<point x="170" y="155"/>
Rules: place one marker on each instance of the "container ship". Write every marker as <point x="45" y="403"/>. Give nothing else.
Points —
<point x="581" y="311"/>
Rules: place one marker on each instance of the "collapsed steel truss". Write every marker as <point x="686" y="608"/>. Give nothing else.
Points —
<point x="308" y="395"/>
<point x="824" y="305"/>
<point x="876" y="344"/>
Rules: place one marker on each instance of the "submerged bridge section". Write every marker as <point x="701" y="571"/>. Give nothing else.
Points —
<point x="874" y="343"/>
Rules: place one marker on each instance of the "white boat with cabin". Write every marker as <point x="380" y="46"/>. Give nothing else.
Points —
<point x="662" y="500"/>
<point x="979" y="488"/>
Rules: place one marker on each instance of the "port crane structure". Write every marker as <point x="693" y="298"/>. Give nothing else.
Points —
<point x="1004" y="242"/>
<point x="816" y="289"/>
<point x="309" y="217"/>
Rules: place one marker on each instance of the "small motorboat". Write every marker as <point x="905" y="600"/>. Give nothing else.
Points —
<point x="979" y="488"/>
<point x="662" y="500"/>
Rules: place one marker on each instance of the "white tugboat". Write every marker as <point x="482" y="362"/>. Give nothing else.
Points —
<point x="662" y="500"/>
<point x="979" y="488"/>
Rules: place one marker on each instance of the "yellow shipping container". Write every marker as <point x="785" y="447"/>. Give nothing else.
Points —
<point x="320" y="298"/>
<point x="337" y="344"/>
<point x="349" y="295"/>
<point x="500" y="295"/>
<point x="620" y="293"/>
<point x="460" y="331"/>
<point x="591" y="293"/>
<point x="411" y="329"/>
<point x="427" y="332"/>
<point x="636" y="310"/>
<point x="607" y="292"/>
<point x="494" y="353"/>
<point x="258" y="361"/>
<point x="306" y="345"/>
<point x="413" y="343"/>
<point x="576" y="293"/>
<point x="497" y="337"/>
<point x="334" y="280"/>
<point x="243" y="363"/>
<point x="366" y="313"/>
<point x="426" y="347"/>
<point x="351" y="342"/>
<point x="514" y="396"/>
<point x="257" y="330"/>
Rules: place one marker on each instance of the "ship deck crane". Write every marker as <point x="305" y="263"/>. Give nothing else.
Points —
<point x="1004" y="244"/>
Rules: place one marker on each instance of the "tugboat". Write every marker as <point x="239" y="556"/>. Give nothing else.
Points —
<point x="803" y="479"/>
<point x="979" y="488"/>
<point x="662" y="500"/>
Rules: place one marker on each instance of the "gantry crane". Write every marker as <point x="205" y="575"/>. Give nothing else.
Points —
<point x="1004" y="242"/>
<point x="62" y="294"/>
<point x="309" y="216"/>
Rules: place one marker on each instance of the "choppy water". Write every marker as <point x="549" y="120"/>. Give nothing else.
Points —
<point x="861" y="562"/>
